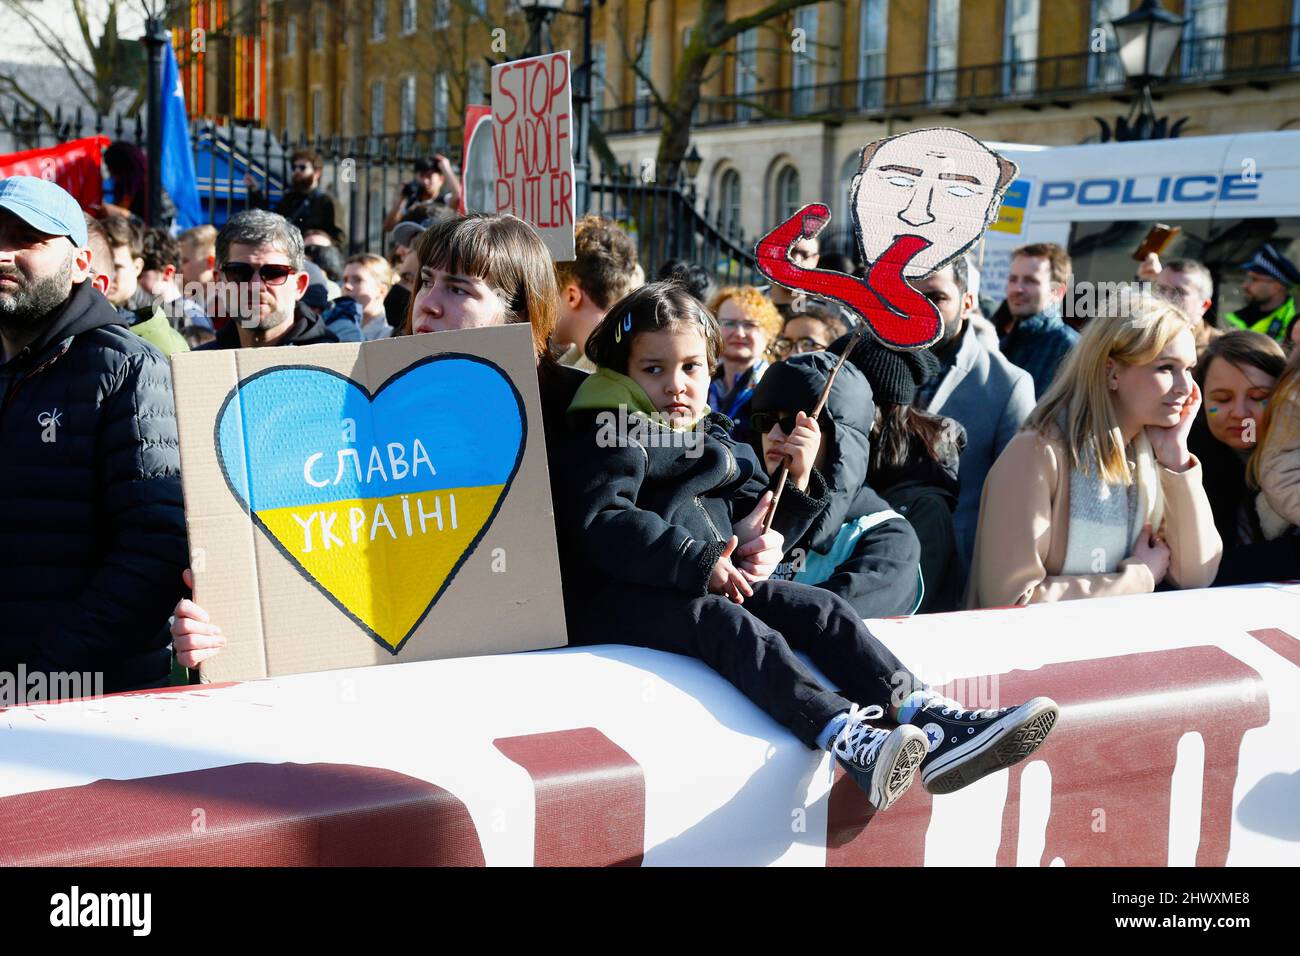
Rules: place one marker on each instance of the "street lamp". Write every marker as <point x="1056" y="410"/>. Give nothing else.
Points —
<point x="539" y="14"/>
<point x="691" y="162"/>
<point x="1147" y="39"/>
<point x="155" y="36"/>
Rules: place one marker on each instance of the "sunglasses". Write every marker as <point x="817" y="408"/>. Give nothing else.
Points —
<point x="273" y="273"/>
<point x="303" y="167"/>
<point x="762" y="422"/>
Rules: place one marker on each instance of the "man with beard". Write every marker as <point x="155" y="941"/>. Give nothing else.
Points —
<point x="260" y="263"/>
<point x="93" y="540"/>
<point x="976" y="387"/>
<point x="305" y="205"/>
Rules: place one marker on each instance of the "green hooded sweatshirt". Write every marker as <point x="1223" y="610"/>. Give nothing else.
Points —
<point x="606" y="390"/>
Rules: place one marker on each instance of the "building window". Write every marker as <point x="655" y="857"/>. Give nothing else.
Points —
<point x="378" y="19"/>
<point x="441" y="14"/>
<point x="729" y="204"/>
<point x="291" y="36"/>
<point x="873" y="38"/>
<point x="408" y="16"/>
<point x="1020" y="46"/>
<point x="746" y="79"/>
<point x="848" y="171"/>
<point x="941" y="50"/>
<point x="290" y="119"/>
<point x="317" y="30"/>
<point x="787" y="193"/>
<point x="377" y="108"/>
<point x="804" y="70"/>
<point x="1104" y="66"/>
<point x="1203" y="37"/>
<point x="476" y="91"/>
<point x="441" y="102"/>
<point x="643" y="99"/>
<point x="317" y="109"/>
<point x="407" y="116"/>
<point x="1295" y="31"/>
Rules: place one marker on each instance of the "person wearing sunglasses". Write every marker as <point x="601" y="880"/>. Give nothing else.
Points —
<point x="304" y="203"/>
<point x="260" y="285"/>
<point x="858" y="546"/>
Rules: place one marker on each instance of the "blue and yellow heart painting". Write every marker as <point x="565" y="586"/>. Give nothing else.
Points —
<point x="377" y="499"/>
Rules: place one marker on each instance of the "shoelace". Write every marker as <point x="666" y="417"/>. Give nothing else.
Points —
<point x="857" y="736"/>
<point x="950" y="706"/>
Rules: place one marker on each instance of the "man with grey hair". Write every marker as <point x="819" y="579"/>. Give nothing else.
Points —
<point x="976" y="387"/>
<point x="261" y="282"/>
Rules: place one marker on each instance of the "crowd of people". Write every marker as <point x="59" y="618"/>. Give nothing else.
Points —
<point x="1020" y="459"/>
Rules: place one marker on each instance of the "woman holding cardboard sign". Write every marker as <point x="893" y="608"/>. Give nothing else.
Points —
<point x="475" y="271"/>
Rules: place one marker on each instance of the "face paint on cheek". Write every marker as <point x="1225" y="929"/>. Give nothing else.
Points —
<point x="1212" y="410"/>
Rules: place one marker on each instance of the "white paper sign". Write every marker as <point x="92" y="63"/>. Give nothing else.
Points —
<point x="532" y="127"/>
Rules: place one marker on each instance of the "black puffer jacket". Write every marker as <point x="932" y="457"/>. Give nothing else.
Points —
<point x="874" y="551"/>
<point x="924" y="491"/>
<point x="93" y="542"/>
<point x="307" y="329"/>
<point x="656" y="513"/>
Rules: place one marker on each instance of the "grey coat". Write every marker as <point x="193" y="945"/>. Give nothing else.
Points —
<point x="991" y="398"/>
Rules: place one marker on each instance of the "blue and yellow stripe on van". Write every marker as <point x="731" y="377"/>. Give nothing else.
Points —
<point x="1011" y="216"/>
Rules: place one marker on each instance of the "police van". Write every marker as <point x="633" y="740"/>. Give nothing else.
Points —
<point x="1230" y="195"/>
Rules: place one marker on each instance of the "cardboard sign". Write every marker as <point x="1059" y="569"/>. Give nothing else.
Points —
<point x="369" y="503"/>
<point x="532" y="129"/>
<point x="478" y="166"/>
<point x="919" y="200"/>
<point x="74" y="166"/>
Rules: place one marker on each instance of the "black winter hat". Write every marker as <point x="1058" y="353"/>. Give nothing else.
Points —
<point x="894" y="376"/>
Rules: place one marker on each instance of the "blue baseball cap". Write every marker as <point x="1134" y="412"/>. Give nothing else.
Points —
<point x="45" y="206"/>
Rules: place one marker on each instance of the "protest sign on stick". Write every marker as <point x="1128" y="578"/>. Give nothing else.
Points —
<point x="532" y="129"/>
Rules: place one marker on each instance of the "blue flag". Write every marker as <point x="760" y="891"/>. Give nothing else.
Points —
<point x="177" y="155"/>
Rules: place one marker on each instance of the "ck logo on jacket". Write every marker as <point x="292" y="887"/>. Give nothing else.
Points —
<point x="49" y="422"/>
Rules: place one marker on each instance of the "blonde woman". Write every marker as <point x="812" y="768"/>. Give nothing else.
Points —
<point x="1098" y="495"/>
<point x="750" y="323"/>
<point x="1275" y="466"/>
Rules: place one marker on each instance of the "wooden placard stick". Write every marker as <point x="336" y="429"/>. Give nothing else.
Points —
<point x="783" y="473"/>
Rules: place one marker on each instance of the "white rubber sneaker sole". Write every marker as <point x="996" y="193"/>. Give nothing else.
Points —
<point x="900" y="755"/>
<point x="1005" y="743"/>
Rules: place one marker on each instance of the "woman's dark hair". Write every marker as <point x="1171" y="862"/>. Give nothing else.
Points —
<point x="1241" y="347"/>
<point x="898" y="426"/>
<point x="655" y="306"/>
<point x="127" y="164"/>
<point x="507" y="254"/>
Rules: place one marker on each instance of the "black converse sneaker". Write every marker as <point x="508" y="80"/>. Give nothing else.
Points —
<point x="966" y="745"/>
<point x="882" y="762"/>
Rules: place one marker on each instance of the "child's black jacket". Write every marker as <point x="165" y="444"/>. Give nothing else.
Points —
<point x="656" y="513"/>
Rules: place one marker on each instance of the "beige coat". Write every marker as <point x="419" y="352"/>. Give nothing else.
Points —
<point x="1020" y="542"/>
<point x="1278" y="503"/>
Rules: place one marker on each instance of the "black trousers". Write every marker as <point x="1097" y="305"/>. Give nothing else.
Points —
<point x="752" y="645"/>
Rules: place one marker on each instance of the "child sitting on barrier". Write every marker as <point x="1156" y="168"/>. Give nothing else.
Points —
<point x="859" y="547"/>
<point x="673" y="519"/>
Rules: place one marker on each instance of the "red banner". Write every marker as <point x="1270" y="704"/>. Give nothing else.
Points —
<point x="73" y="165"/>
